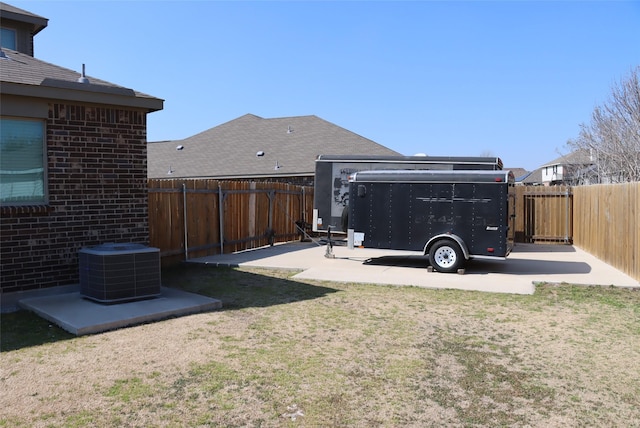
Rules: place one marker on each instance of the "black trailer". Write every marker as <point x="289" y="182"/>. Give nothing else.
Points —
<point x="331" y="186"/>
<point x="451" y="216"/>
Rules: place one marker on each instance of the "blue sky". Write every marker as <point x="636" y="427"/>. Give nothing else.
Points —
<point x="513" y="79"/>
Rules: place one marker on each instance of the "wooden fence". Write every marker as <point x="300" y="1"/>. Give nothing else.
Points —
<point x="602" y="219"/>
<point x="196" y="218"/>
<point x="607" y="224"/>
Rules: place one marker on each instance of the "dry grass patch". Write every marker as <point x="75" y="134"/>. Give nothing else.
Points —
<point x="291" y="353"/>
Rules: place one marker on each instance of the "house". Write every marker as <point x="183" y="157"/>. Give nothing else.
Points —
<point x="518" y="173"/>
<point x="72" y="162"/>
<point x="18" y="28"/>
<point x="534" y="178"/>
<point x="254" y="148"/>
<point x="573" y="168"/>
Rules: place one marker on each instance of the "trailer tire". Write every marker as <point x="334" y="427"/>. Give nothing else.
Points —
<point x="446" y="256"/>
<point x="344" y="219"/>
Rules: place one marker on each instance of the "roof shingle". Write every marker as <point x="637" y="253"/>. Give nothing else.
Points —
<point x="24" y="75"/>
<point x="230" y="149"/>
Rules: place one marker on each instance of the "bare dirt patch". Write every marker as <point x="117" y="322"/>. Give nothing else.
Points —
<point x="292" y="353"/>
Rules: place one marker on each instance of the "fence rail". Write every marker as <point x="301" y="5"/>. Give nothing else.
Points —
<point x="196" y="218"/>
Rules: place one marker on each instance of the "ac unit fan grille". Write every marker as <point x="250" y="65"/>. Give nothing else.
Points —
<point x="110" y="273"/>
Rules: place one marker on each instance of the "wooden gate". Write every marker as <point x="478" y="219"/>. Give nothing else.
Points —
<point x="544" y="214"/>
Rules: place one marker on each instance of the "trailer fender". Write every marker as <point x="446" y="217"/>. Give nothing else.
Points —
<point x="445" y="236"/>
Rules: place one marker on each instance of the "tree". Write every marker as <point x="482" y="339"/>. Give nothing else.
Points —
<point x="613" y="137"/>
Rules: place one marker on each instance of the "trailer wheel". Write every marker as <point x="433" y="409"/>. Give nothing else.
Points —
<point x="344" y="219"/>
<point x="446" y="256"/>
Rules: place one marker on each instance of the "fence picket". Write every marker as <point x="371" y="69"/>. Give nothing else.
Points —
<point x="544" y="214"/>
<point x="249" y="211"/>
<point x="607" y="224"/>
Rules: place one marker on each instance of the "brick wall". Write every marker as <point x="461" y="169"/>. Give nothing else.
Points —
<point x="97" y="183"/>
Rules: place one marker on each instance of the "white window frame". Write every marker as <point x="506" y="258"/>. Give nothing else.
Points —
<point x="44" y="200"/>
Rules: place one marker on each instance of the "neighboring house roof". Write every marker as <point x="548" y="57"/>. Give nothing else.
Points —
<point x="534" y="177"/>
<point x="9" y="12"/>
<point x="254" y="147"/>
<point x="578" y="157"/>
<point x="517" y="172"/>
<point x="26" y="76"/>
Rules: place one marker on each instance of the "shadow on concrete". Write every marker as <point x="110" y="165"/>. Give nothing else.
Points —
<point x="400" y="261"/>
<point x="523" y="266"/>
<point x="543" y="248"/>
<point x="235" y="259"/>
<point x="512" y="266"/>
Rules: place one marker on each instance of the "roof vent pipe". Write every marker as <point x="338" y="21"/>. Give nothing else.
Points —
<point x="83" y="78"/>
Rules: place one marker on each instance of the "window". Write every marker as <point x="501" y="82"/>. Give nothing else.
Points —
<point x="22" y="165"/>
<point x="8" y="39"/>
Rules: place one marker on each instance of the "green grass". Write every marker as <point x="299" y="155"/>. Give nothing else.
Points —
<point x="128" y="390"/>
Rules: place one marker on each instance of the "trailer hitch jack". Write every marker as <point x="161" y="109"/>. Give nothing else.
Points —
<point x="329" y="253"/>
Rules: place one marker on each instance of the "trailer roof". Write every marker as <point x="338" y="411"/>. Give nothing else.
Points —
<point x="434" y="176"/>
<point x="459" y="160"/>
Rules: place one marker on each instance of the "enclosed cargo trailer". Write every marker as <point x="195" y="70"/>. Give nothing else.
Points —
<point x="449" y="216"/>
<point x="331" y="185"/>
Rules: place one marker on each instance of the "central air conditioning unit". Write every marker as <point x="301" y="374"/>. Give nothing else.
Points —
<point x="119" y="272"/>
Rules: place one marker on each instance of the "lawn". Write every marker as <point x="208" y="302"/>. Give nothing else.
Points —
<point x="284" y="352"/>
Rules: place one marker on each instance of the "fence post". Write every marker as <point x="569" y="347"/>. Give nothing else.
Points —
<point x="251" y="213"/>
<point x="303" y="208"/>
<point x="184" y="214"/>
<point x="270" y="232"/>
<point x="566" y="216"/>
<point x="221" y="217"/>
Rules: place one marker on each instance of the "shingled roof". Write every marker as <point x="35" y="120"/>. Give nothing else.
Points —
<point x="252" y="147"/>
<point x="9" y="12"/>
<point x="26" y="76"/>
<point x="578" y="157"/>
<point x="518" y="172"/>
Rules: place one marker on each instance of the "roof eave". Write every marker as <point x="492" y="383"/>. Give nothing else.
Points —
<point x="38" y="22"/>
<point x="96" y="97"/>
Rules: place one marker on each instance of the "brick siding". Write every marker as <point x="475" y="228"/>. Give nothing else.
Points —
<point x="97" y="188"/>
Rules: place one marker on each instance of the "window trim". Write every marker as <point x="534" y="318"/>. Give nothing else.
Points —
<point x="45" y="169"/>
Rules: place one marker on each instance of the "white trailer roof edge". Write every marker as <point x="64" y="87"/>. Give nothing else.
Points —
<point x="432" y="176"/>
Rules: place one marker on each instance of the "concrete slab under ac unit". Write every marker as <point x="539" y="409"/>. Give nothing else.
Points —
<point x="81" y="316"/>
